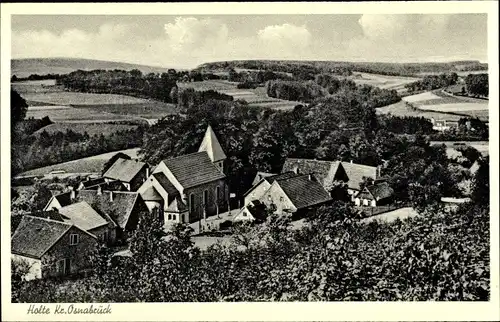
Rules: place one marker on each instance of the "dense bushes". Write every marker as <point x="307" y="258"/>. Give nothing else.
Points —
<point x="477" y="84"/>
<point x="294" y="90"/>
<point x="430" y="82"/>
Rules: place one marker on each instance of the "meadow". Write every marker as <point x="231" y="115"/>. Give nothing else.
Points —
<point x="383" y="81"/>
<point x="440" y="102"/>
<point x="90" y="128"/>
<point x="254" y="97"/>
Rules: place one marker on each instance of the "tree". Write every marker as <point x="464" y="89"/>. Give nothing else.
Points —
<point x="481" y="183"/>
<point x="18" y="108"/>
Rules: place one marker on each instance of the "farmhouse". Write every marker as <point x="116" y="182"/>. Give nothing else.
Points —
<point x="124" y="208"/>
<point x="327" y="172"/>
<point x="131" y="173"/>
<point x="189" y="187"/>
<point x="260" y="188"/>
<point x="51" y="248"/>
<point x="295" y="195"/>
<point x="82" y="215"/>
<point x="378" y="194"/>
<point x="89" y="183"/>
<point x="444" y="125"/>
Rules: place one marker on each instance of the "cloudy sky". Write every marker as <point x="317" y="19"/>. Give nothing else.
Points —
<point x="186" y="41"/>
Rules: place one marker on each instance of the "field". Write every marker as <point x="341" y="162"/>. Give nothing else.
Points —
<point x="88" y="165"/>
<point x="442" y="103"/>
<point x="482" y="146"/>
<point x="90" y="128"/>
<point x="254" y="97"/>
<point x="383" y="81"/>
<point x="46" y="99"/>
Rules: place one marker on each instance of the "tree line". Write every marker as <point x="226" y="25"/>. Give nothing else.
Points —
<point x="431" y="82"/>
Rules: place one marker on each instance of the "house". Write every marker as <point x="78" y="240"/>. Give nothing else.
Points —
<point x="191" y="186"/>
<point x="378" y="194"/>
<point x="295" y="195"/>
<point x="260" y="188"/>
<point x="255" y="211"/>
<point x="86" y="184"/>
<point x="443" y="125"/>
<point x="131" y="173"/>
<point x="328" y="172"/>
<point x="82" y="215"/>
<point x="123" y="207"/>
<point x="51" y="248"/>
<point x="58" y="201"/>
<point x="109" y="186"/>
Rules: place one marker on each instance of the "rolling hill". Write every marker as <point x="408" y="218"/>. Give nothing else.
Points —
<point x="42" y="66"/>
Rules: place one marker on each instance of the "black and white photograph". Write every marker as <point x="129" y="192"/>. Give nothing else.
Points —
<point x="327" y="157"/>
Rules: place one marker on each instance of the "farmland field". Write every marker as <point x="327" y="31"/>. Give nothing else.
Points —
<point x="481" y="146"/>
<point x="439" y="102"/>
<point x="254" y="97"/>
<point x="383" y="81"/>
<point x="88" y="165"/>
<point x="151" y="109"/>
<point x="80" y="115"/>
<point x="90" y="128"/>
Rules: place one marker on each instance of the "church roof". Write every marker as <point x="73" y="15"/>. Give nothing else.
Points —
<point x="211" y="145"/>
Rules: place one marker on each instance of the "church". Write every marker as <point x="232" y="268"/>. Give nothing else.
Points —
<point x="190" y="187"/>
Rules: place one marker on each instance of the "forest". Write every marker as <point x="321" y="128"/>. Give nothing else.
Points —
<point x="346" y="68"/>
<point x="431" y="82"/>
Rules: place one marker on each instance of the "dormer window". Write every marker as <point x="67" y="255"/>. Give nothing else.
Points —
<point x="73" y="239"/>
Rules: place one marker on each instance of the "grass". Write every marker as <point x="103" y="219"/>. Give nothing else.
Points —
<point x="150" y="109"/>
<point x="87" y="165"/>
<point x="482" y="146"/>
<point x="79" y="115"/>
<point x="383" y="81"/>
<point x="90" y="128"/>
<point x="402" y="109"/>
<point x="254" y="97"/>
<point x="401" y="213"/>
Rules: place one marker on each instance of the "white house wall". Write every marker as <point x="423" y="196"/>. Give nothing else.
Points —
<point x="257" y="192"/>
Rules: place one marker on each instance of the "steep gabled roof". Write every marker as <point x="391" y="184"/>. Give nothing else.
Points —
<point x="380" y="191"/>
<point x="176" y="206"/>
<point x="323" y="171"/>
<point x="64" y="199"/>
<point x="91" y="182"/>
<point x="82" y="215"/>
<point x="119" y="209"/>
<point x="304" y="192"/>
<point x="211" y="145"/>
<point x="124" y="170"/>
<point x="356" y="172"/>
<point x="271" y="178"/>
<point x="193" y="169"/>
<point x="34" y="236"/>
<point x="165" y="183"/>
<point x="151" y="194"/>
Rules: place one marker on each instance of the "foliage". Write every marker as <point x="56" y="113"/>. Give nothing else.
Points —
<point x="431" y="82"/>
<point x="18" y="108"/>
<point x="477" y="84"/>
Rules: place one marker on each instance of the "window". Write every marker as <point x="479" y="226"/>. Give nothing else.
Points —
<point x="174" y="217"/>
<point x="205" y="198"/>
<point x="217" y="194"/>
<point x="269" y="198"/>
<point x="169" y="217"/>
<point x="73" y="239"/>
<point x="60" y="267"/>
<point x="281" y="198"/>
<point x="191" y="203"/>
<point x="105" y="236"/>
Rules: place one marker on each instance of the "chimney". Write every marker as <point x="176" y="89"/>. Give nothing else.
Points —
<point x="351" y="161"/>
<point x="72" y="194"/>
<point x="147" y="172"/>
<point x="310" y="176"/>
<point x="99" y="190"/>
<point x="379" y="169"/>
<point x="111" y="196"/>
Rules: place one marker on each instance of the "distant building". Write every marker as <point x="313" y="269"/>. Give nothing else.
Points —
<point x="375" y="195"/>
<point x="51" y="248"/>
<point x="131" y="173"/>
<point x="444" y="125"/>
<point x="189" y="187"/>
<point x="90" y="183"/>
<point x="255" y="211"/>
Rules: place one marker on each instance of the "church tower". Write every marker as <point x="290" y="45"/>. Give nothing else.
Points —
<point x="211" y="145"/>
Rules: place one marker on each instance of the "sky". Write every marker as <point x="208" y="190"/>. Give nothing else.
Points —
<point x="187" y="41"/>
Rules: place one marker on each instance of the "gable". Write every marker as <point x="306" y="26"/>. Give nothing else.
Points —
<point x="124" y="170"/>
